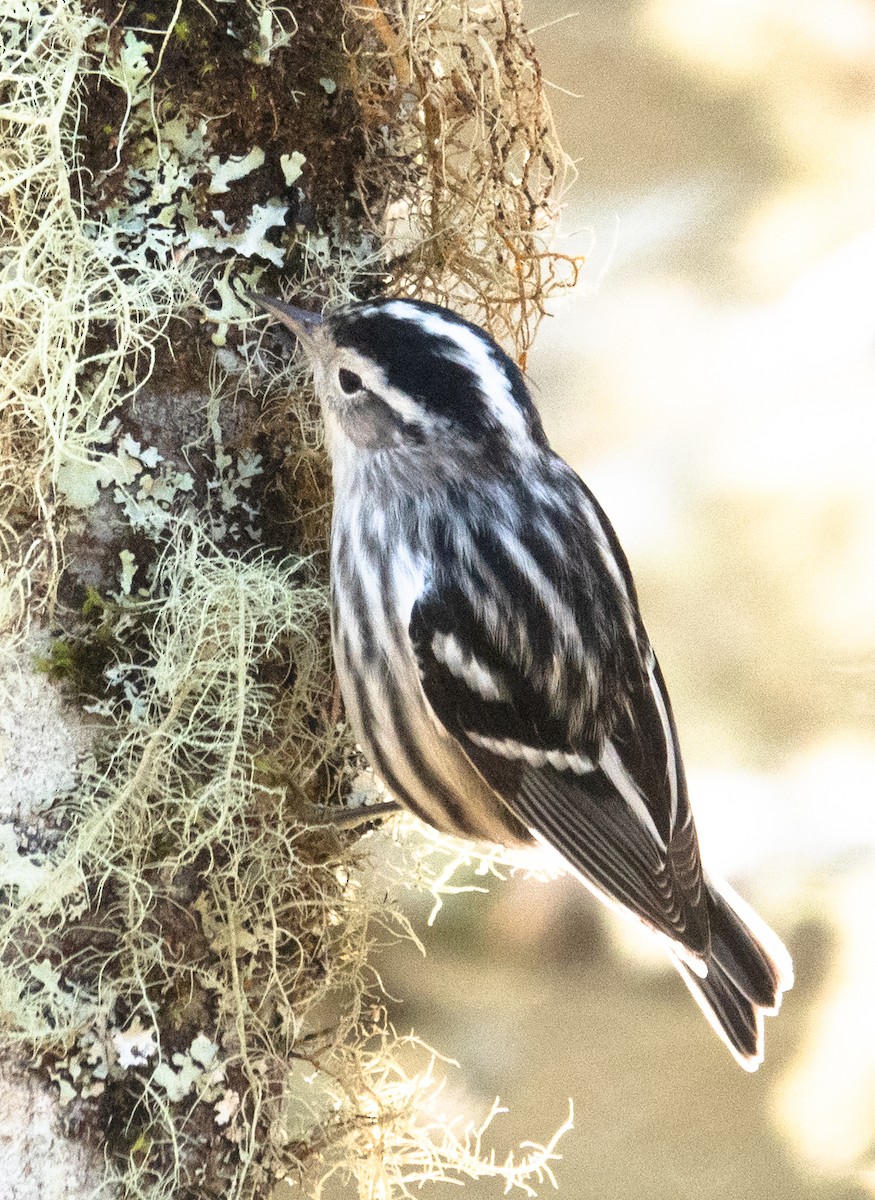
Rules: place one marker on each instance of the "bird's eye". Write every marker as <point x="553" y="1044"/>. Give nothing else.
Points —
<point x="349" y="381"/>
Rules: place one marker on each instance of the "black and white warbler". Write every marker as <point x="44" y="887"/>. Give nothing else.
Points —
<point x="491" y="654"/>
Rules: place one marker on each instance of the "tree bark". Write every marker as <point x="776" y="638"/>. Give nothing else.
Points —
<point x="185" y="1000"/>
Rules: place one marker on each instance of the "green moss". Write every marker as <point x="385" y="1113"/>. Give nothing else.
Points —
<point x="78" y="660"/>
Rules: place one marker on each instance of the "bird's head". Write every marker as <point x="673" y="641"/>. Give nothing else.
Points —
<point x="403" y="374"/>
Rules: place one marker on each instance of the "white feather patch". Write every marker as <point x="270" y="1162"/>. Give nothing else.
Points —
<point x="565" y="629"/>
<point x="464" y="666"/>
<point x="612" y="766"/>
<point x="508" y="748"/>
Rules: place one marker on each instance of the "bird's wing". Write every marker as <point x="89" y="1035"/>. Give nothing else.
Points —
<point x="582" y="749"/>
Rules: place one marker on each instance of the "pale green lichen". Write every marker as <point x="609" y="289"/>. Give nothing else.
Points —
<point x="135" y="1045"/>
<point x="128" y="571"/>
<point x="22" y="872"/>
<point x="198" y="1070"/>
<point x="234" y="168"/>
<point x="188" y="950"/>
<point x="292" y="165"/>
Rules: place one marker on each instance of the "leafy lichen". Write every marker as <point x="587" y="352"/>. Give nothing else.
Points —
<point x="186" y="952"/>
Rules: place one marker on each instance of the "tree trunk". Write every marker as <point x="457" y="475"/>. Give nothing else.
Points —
<point x="186" y="1005"/>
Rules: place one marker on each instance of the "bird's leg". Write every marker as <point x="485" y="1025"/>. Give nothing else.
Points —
<point x="351" y="818"/>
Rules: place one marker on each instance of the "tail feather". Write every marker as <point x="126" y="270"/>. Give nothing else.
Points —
<point x="748" y="971"/>
<point x="742" y="957"/>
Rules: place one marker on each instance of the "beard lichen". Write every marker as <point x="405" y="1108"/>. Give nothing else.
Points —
<point x="463" y="173"/>
<point x="185" y="934"/>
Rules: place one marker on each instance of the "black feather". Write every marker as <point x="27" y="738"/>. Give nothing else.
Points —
<point x="426" y="366"/>
<point x="542" y="710"/>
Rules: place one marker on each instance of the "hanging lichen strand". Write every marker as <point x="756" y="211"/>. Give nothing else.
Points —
<point x="463" y="173"/>
<point x="185" y="937"/>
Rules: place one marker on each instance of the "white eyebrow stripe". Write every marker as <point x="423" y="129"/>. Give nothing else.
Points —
<point x="473" y="353"/>
<point x="466" y="667"/>
<point x="361" y="365"/>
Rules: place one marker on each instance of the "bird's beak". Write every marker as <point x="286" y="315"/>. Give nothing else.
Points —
<point x="304" y="325"/>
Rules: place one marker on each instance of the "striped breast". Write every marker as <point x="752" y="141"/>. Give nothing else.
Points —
<point x="373" y="593"/>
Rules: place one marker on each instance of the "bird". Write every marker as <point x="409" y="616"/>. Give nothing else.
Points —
<point x="489" y="645"/>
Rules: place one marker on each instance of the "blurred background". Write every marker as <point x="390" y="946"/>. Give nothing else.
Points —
<point x="713" y="380"/>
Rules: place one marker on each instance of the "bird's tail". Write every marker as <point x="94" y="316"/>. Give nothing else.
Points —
<point x="748" y="972"/>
